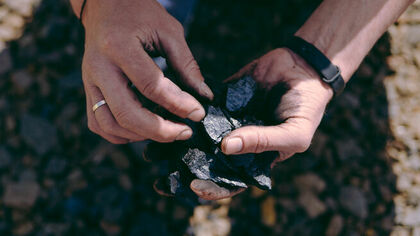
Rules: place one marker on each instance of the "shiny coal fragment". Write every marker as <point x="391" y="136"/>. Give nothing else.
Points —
<point x="260" y="170"/>
<point x="207" y="166"/>
<point x="174" y="182"/>
<point x="216" y="124"/>
<point x="253" y="168"/>
<point x="239" y="94"/>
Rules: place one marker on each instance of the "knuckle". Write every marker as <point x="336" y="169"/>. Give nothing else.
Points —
<point x="262" y="143"/>
<point x="303" y="143"/>
<point x="191" y="65"/>
<point x="179" y="109"/>
<point x="109" y="43"/>
<point x="173" y="29"/>
<point x="151" y="88"/>
<point x="177" y="27"/>
<point x="123" y="117"/>
<point x="92" y="127"/>
<point x="108" y="127"/>
<point x="164" y="136"/>
<point x="278" y="51"/>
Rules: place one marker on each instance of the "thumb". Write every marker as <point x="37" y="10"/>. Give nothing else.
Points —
<point x="180" y="58"/>
<point x="292" y="136"/>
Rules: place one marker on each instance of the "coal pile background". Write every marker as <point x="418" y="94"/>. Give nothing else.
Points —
<point x="57" y="178"/>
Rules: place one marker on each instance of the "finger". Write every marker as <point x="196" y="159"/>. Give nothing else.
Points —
<point x="107" y="122"/>
<point x="182" y="61"/>
<point x="208" y="190"/>
<point x="149" y="80"/>
<point x="246" y="70"/>
<point x="94" y="126"/>
<point x="127" y="110"/>
<point x="292" y="136"/>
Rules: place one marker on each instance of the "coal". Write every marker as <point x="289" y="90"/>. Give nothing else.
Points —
<point x="200" y="156"/>
<point x="239" y="94"/>
<point x="207" y="166"/>
<point x="216" y="124"/>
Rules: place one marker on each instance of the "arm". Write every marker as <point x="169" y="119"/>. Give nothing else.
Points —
<point x="346" y="30"/>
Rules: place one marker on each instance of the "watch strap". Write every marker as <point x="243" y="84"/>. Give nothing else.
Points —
<point x="328" y="72"/>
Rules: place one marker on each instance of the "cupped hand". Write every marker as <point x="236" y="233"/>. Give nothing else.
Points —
<point x="121" y="37"/>
<point x="299" y="112"/>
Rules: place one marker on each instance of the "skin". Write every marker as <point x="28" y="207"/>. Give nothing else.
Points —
<point x="121" y="33"/>
<point x="120" y="37"/>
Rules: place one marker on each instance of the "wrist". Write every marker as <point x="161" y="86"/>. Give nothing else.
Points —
<point x="326" y="43"/>
<point x="322" y="90"/>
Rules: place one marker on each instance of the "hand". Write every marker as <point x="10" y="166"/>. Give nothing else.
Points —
<point x="120" y="36"/>
<point x="300" y="108"/>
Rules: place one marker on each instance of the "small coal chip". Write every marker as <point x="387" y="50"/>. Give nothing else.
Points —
<point x="175" y="185"/>
<point x="216" y="124"/>
<point x="239" y="94"/>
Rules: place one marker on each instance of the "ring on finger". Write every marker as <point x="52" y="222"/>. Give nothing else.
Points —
<point x="98" y="104"/>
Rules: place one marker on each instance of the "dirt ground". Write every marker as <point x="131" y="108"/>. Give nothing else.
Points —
<point x="361" y="175"/>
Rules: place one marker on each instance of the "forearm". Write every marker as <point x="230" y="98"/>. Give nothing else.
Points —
<point x="345" y="30"/>
<point x="77" y="6"/>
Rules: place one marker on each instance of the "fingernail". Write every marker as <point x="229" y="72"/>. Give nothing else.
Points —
<point x="208" y="190"/>
<point x="197" y="114"/>
<point x="206" y="91"/>
<point x="186" y="134"/>
<point x="233" y="145"/>
<point x="195" y="185"/>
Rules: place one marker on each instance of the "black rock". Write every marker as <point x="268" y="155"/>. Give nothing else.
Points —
<point x="260" y="170"/>
<point x="174" y="182"/>
<point x="216" y="124"/>
<point x="5" y="158"/>
<point x="56" y="167"/>
<point x="207" y="166"/>
<point x="254" y="168"/>
<point x="38" y="133"/>
<point x="239" y="94"/>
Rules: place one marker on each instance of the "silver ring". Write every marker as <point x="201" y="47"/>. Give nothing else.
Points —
<point x="98" y="104"/>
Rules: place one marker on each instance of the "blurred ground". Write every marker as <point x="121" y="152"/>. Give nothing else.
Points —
<point x="360" y="177"/>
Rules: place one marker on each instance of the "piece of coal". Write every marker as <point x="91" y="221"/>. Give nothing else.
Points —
<point x="216" y="124"/>
<point x="239" y="94"/>
<point x="259" y="170"/>
<point x="175" y="185"/>
<point x="207" y="166"/>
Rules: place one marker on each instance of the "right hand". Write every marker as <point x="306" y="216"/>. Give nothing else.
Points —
<point x="120" y="36"/>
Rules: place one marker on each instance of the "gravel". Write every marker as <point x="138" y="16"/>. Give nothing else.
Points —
<point x="21" y="195"/>
<point x="38" y="133"/>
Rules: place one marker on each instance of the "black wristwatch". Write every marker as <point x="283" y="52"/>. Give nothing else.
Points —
<point x="328" y="72"/>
